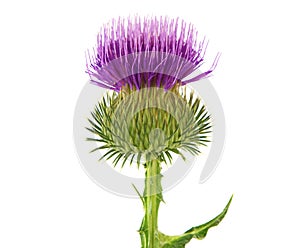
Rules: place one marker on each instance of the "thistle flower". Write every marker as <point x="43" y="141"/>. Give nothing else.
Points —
<point x="153" y="52"/>
<point x="149" y="114"/>
<point x="151" y="58"/>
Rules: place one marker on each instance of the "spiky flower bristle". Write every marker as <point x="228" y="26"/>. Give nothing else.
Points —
<point x="135" y="51"/>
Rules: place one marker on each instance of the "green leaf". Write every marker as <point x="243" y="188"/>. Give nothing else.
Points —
<point x="198" y="232"/>
<point x="139" y="194"/>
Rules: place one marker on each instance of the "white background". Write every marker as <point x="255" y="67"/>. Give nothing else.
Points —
<point x="46" y="200"/>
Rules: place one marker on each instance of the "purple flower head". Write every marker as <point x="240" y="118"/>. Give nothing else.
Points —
<point x="145" y="53"/>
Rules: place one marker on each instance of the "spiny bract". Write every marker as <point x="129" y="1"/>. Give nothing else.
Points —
<point x="151" y="123"/>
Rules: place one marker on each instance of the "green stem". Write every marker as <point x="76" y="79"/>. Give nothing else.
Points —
<point x="151" y="199"/>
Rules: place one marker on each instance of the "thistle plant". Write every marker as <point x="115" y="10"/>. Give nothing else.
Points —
<point x="148" y="114"/>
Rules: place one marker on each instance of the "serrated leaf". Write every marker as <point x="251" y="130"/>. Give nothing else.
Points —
<point x="198" y="232"/>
